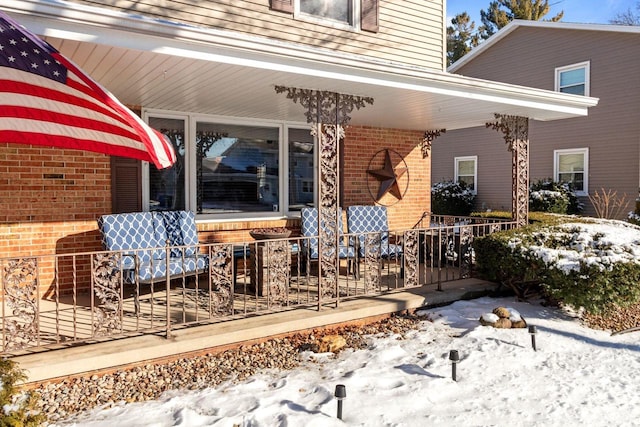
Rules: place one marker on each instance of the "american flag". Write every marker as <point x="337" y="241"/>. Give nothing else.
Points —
<point x="45" y="99"/>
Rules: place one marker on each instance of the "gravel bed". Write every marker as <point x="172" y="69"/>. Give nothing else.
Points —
<point x="65" y="400"/>
<point x="615" y="319"/>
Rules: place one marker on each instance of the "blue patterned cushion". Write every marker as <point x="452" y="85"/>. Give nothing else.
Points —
<point x="133" y="231"/>
<point x="181" y="230"/>
<point x="135" y="234"/>
<point x="344" y="252"/>
<point x="189" y="232"/>
<point x="155" y="269"/>
<point x="362" y="220"/>
<point x="309" y="228"/>
<point x="170" y="221"/>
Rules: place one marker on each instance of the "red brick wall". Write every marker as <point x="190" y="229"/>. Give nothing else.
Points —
<point x="51" y="184"/>
<point x="50" y="198"/>
<point x="362" y="150"/>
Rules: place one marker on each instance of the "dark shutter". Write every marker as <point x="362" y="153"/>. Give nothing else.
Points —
<point x="126" y="185"/>
<point x="369" y="15"/>
<point x="282" y="5"/>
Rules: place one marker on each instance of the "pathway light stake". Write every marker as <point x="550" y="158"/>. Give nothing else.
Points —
<point x="340" y="394"/>
<point x="532" y="331"/>
<point x="455" y="358"/>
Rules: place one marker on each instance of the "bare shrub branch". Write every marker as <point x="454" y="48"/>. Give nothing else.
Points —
<point x="608" y="204"/>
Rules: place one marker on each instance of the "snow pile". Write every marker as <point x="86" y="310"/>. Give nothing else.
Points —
<point x="577" y="376"/>
<point x="602" y="243"/>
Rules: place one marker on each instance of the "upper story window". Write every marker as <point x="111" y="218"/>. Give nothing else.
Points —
<point x="466" y="171"/>
<point x="571" y="166"/>
<point x="573" y="79"/>
<point x="342" y="14"/>
<point x="341" y="11"/>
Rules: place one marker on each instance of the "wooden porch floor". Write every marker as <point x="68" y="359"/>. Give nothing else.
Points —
<point x="188" y="305"/>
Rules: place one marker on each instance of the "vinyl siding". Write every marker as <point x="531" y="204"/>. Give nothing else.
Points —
<point x="411" y="31"/>
<point x="611" y="132"/>
<point x="494" y="164"/>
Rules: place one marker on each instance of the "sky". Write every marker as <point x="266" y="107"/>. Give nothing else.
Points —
<point x="576" y="376"/>
<point x="582" y="11"/>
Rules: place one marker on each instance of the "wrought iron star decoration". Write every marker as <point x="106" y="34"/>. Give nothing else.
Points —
<point x="388" y="177"/>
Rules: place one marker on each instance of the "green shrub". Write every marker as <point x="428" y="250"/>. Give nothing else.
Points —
<point x="497" y="260"/>
<point x="554" y="197"/>
<point x="634" y="216"/>
<point x="568" y="262"/>
<point x="451" y="198"/>
<point x="534" y="217"/>
<point x="594" y="289"/>
<point x="19" y="408"/>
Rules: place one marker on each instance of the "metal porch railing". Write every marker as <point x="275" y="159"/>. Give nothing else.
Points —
<point x="49" y="301"/>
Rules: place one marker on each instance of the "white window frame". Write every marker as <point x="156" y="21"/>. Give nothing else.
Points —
<point x="456" y="162"/>
<point x="191" y="119"/>
<point x="355" y="17"/>
<point x="314" y="186"/>
<point x="145" y="165"/>
<point x="587" y="75"/>
<point x="556" y="164"/>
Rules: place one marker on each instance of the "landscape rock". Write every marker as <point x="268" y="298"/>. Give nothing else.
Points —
<point x="64" y="401"/>
<point x="331" y="344"/>
<point x="503" y="323"/>
<point x="503" y="318"/>
<point x="502" y="312"/>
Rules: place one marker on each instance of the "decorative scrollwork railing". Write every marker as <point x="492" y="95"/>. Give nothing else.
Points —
<point x="107" y="289"/>
<point x="20" y="293"/>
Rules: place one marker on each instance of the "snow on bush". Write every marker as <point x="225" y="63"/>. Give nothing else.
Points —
<point x="451" y="198"/>
<point x="601" y="243"/>
<point x="555" y="197"/>
<point x="589" y="263"/>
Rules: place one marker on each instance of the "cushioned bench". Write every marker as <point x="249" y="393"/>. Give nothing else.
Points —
<point x="142" y="237"/>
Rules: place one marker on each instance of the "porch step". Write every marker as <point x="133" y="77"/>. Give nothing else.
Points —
<point x="113" y="354"/>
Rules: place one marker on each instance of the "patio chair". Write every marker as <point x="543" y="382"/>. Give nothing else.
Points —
<point x="367" y="221"/>
<point x="309" y="230"/>
<point x="141" y="238"/>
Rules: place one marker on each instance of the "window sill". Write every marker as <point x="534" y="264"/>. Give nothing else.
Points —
<point x="326" y="22"/>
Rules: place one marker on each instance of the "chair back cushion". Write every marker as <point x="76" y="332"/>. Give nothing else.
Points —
<point x="309" y="228"/>
<point x="368" y="219"/>
<point x="372" y="219"/>
<point x="180" y="228"/>
<point x="131" y="232"/>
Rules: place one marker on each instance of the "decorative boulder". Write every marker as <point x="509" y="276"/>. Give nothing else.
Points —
<point x="502" y="312"/>
<point x="503" y="323"/>
<point x="503" y="318"/>
<point x="519" y="324"/>
<point x="488" y="319"/>
<point x="331" y="343"/>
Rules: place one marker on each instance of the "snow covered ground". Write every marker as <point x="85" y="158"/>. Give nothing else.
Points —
<point x="577" y="376"/>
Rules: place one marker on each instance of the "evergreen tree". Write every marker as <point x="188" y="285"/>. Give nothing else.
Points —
<point x="501" y="12"/>
<point x="461" y="36"/>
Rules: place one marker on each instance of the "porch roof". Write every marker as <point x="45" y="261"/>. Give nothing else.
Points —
<point x="160" y="65"/>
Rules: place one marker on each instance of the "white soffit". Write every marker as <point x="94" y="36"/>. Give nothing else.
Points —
<point x="164" y="66"/>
